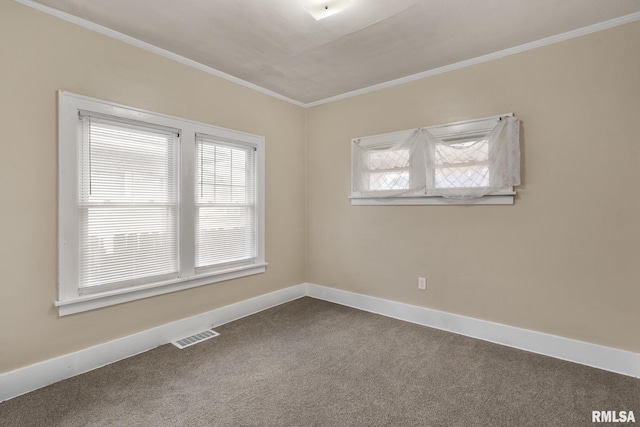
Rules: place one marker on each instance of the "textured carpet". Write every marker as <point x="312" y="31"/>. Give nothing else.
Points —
<point x="313" y="363"/>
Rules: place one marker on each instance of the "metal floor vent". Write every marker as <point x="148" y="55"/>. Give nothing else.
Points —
<point x="195" y="339"/>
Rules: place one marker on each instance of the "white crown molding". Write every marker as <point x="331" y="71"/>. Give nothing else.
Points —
<point x="484" y="58"/>
<point x="153" y="49"/>
<point x="597" y="356"/>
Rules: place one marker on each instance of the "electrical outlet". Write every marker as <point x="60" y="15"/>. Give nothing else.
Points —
<point x="422" y="283"/>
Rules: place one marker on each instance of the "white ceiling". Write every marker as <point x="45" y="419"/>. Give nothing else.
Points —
<point x="279" y="46"/>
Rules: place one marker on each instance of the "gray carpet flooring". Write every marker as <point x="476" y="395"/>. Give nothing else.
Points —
<point x="313" y="363"/>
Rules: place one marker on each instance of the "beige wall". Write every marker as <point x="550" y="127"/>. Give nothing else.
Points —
<point x="565" y="259"/>
<point x="41" y="54"/>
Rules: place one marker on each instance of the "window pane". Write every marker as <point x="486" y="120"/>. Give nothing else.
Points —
<point x="386" y="169"/>
<point x="129" y="164"/>
<point x="224" y="235"/>
<point x="462" y="164"/>
<point x="222" y="174"/>
<point x="126" y="243"/>
<point x="380" y="181"/>
<point x="472" y="176"/>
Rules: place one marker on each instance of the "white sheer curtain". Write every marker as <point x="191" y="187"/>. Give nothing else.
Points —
<point x="462" y="167"/>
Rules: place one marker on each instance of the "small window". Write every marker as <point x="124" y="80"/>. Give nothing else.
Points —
<point x="150" y="204"/>
<point x="459" y="163"/>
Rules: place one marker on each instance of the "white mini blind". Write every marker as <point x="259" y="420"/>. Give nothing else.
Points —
<point x="128" y="203"/>
<point x="225" y="203"/>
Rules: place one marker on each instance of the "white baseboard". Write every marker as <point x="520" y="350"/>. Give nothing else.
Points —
<point x="32" y="377"/>
<point x="597" y="356"/>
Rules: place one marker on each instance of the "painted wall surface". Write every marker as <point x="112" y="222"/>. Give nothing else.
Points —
<point x="565" y="259"/>
<point x="40" y="55"/>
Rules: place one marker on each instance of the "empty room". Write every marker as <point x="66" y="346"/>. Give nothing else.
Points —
<point x="320" y="213"/>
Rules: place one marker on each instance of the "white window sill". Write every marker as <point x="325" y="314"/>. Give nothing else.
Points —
<point x="505" y="198"/>
<point x="105" y="299"/>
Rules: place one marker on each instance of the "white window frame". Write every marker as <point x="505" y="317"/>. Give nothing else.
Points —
<point x="446" y="132"/>
<point x="70" y="300"/>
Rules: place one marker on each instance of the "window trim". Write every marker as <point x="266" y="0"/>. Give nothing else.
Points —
<point x="446" y="132"/>
<point x="69" y="298"/>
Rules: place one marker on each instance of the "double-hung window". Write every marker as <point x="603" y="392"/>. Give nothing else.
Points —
<point x="475" y="161"/>
<point x="150" y="204"/>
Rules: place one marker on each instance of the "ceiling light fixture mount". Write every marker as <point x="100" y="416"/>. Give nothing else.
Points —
<point x="321" y="9"/>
